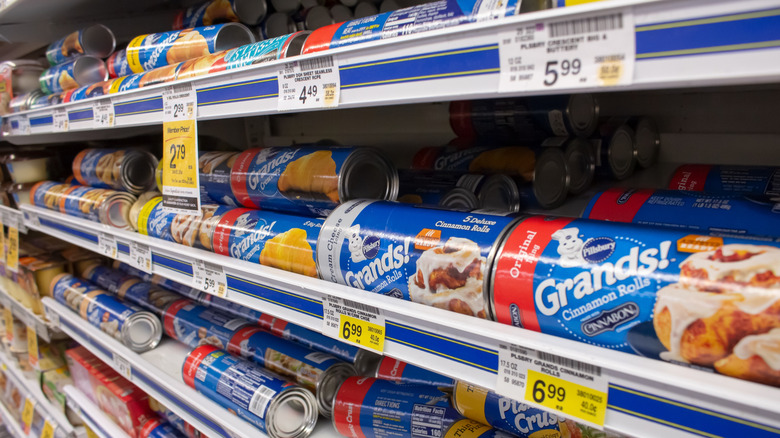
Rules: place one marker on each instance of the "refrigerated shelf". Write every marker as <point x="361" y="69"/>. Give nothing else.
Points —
<point x="43" y="328"/>
<point x="91" y="414"/>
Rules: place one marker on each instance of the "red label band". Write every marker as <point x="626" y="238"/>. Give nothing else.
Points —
<point x="690" y="177"/>
<point x="619" y="205"/>
<point x="221" y="240"/>
<point x="193" y="361"/>
<point x="169" y="316"/>
<point x="390" y="369"/>
<point x="234" y="346"/>
<point x="347" y="403"/>
<point x="239" y="174"/>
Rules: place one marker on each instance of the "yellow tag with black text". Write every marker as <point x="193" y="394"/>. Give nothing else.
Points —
<point x="9" y="324"/>
<point x="569" y="398"/>
<point x="2" y="241"/>
<point x="27" y="414"/>
<point x="48" y="430"/>
<point x="32" y="346"/>
<point x="181" y="184"/>
<point x="364" y="333"/>
<point x="12" y="257"/>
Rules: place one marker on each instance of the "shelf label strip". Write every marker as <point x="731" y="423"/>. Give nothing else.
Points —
<point x="308" y="84"/>
<point x="354" y="323"/>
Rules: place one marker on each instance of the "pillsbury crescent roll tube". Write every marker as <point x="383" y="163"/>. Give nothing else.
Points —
<point x="82" y="71"/>
<point x="96" y="40"/>
<point x="249" y="12"/>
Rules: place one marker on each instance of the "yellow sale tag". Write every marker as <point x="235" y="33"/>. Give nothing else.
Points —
<point x="32" y="346"/>
<point x="48" y="430"/>
<point x="2" y="242"/>
<point x="180" y="156"/>
<point x="9" y="324"/>
<point x="90" y="434"/>
<point x="569" y="398"/>
<point x="361" y="332"/>
<point x="180" y="185"/>
<point x="27" y="414"/>
<point x="12" y="258"/>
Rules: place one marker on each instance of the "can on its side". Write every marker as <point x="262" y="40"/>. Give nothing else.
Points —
<point x="318" y="372"/>
<point x="280" y="409"/>
<point x="580" y="164"/>
<point x="48" y="194"/>
<point x="442" y="188"/>
<point x="151" y="51"/>
<point x="489" y="160"/>
<point x="551" y="183"/>
<point x="84" y="70"/>
<point x="435" y="257"/>
<point x="194" y="325"/>
<point x="402" y="372"/>
<point x="156" y="428"/>
<point x="365" y="406"/>
<point x="277" y="25"/>
<point x="214" y="168"/>
<point x="109" y="207"/>
<point x="24" y="102"/>
<point x="466" y="428"/>
<point x="89" y="91"/>
<point x="661" y="293"/>
<point x="747" y="180"/>
<point x="194" y="231"/>
<point x="117" y="65"/>
<point x="185" y="428"/>
<point x="130" y="288"/>
<point x="615" y="151"/>
<point x="311" y="180"/>
<point x="249" y="12"/>
<point x="138" y="329"/>
<point x="131" y="170"/>
<point x="96" y="40"/>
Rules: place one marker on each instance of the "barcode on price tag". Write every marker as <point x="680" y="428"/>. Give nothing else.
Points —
<point x="123" y="367"/>
<point x="32" y="219"/>
<point x="107" y="245"/>
<point x="103" y="113"/>
<point x="587" y="52"/>
<point x="48" y="429"/>
<point x="353" y="322"/>
<point x="210" y="278"/>
<point x="141" y="256"/>
<point x="20" y="126"/>
<point x="59" y="120"/>
<point x="180" y="176"/>
<point x="310" y="83"/>
<point x="571" y="388"/>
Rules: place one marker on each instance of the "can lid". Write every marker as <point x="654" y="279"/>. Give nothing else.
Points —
<point x="250" y="12"/>
<point x="88" y="70"/>
<point x="551" y="178"/>
<point x="292" y="414"/>
<point x="341" y="13"/>
<point x="621" y="153"/>
<point x="142" y="331"/>
<point x="388" y="6"/>
<point x="367" y="362"/>
<point x="499" y="193"/>
<point x="368" y="174"/>
<point x="317" y="17"/>
<point x="138" y="171"/>
<point x="459" y="198"/>
<point x="583" y="112"/>
<point x="581" y="164"/>
<point x="232" y="35"/>
<point x="98" y="40"/>
<point x="365" y="9"/>
<point x="278" y="24"/>
<point x="648" y="142"/>
<point x="286" y="6"/>
<point x="329" y="384"/>
<point x="115" y="210"/>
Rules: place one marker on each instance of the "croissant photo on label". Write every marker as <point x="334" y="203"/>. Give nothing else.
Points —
<point x="313" y="175"/>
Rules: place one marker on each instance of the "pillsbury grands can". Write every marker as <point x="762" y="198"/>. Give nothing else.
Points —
<point x="100" y="205"/>
<point x="435" y="257"/>
<point x="117" y="65"/>
<point x="96" y="40"/>
<point x="311" y="180"/>
<point x="194" y="231"/>
<point x="155" y="428"/>
<point x="402" y="372"/>
<point x="82" y="71"/>
<point x="249" y="12"/>
<point x="275" y="406"/>
<point x="131" y="170"/>
<point x="147" y="52"/>
<point x="318" y="372"/>
<point x="747" y="180"/>
<point x="466" y="428"/>
<point x="657" y="292"/>
<point x="194" y="325"/>
<point x="214" y="168"/>
<point x="138" y="329"/>
<point x="131" y="288"/>
<point x="366" y="407"/>
<point x="271" y="239"/>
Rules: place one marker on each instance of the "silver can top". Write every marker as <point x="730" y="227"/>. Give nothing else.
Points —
<point x="500" y="193"/>
<point x="368" y="174"/>
<point x="622" y="153"/>
<point x="648" y="142"/>
<point x="583" y="112"/>
<point x="581" y="164"/>
<point x="142" y="331"/>
<point x="459" y="198"/>
<point x="551" y="178"/>
<point x="329" y="384"/>
<point x="292" y="414"/>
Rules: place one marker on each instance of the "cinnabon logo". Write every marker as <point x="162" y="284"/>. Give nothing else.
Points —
<point x="625" y="196"/>
<point x="514" y="315"/>
<point x="610" y="319"/>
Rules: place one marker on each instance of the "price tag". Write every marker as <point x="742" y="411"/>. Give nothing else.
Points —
<point x="52" y="317"/>
<point x="12" y="256"/>
<point x="8" y="316"/>
<point x="27" y="414"/>
<point x="354" y="323"/>
<point x="107" y="245"/>
<point x="181" y="185"/>
<point x="210" y="278"/>
<point x="90" y="433"/>
<point x="2" y="240"/>
<point x="48" y="430"/>
<point x="103" y="114"/>
<point x="310" y="83"/>
<point x="141" y="256"/>
<point x="32" y="219"/>
<point x="591" y="51"/>
<point x="570" y="388"/>
<point x="60" y="119"/>
<point x="32" y="346"/>
<point x="20" y="126"/>
<point x="123" y="367"/>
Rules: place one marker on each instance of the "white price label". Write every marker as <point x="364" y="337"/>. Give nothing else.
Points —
<point x="53" y="318"/>
<point x="141" y="256"/>
<point x="311" y="83"/>
<point x="20" y="126"/>
<point x="12" y="219"/>
<point x="60" y="120"/>
<point x="568" y="387"/>
<point x="353" y="322"/>
<point x="32" y="219"/>
<point x="123" y="367"/>
<point x="586" y="52"/>
<point x="210" y="278"/>
<point x="107" y="245"/>
<point x="103" y="114"/>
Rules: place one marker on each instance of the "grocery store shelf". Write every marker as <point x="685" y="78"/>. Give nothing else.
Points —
<point x="43" y="329"/>
<point x="91" y="414"/>
<point x="12" y="216"/>
<point x="684" y="43"/>
<point x="11" y="423"/>
<point x="33" y="389"/>
<point x="644" y="393"/>
<point x="158" y="374"/>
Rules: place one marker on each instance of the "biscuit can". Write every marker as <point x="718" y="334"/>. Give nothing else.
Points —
<point x="194" y="231"/>
<point x="271" y="239"/>
<point x="138" y="329"/>
<point x="249" y="12"/>
<point x="580" y="164"/>
<point x="438" y="258"/>
<point x="509" y="160"/>
<point x="48" y="194"/>
<point x="127" y="83"/>
<point x="109" y="207"/>
<point x="90" y="91"/>
<point x="150" y="51"/>
<point x="551" y="181"/>
<point x="716" y="214"/>
<point x="526" y="119"/>
<point x="26" y="101"/>
<point x="96" y="40"/>
<point x="466" y="428"/>
<point x="446" y="189"/>
<point x="131" y="170"/>
<point x="155" y="428"/>
<point x="273" y="405"/>
<point x="157" y="280"/>
<point x="316" y="371"/>
<point x="84" y="70"/>
<point x="185" y="428"/>
<point x="510" y="416"/>
<point x="615" y="151"/>
<point x="266" y="50"/>
<point x="747" y="180"/>
<point x="117" y="65"/>
<point x="311" y="180"/>
<point x="277" y="25"/>
<point x="131" y="288"/>
<point x="214" y="168"/>
<point x="369" y="407"/>
<point x="402" y="372"/>
<point x="661" y="293"/>
<point x="194" y="325"/>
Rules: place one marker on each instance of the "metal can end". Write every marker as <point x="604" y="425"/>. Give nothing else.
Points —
<point x="581" y="164"/>
<point x="88" y="70"/>
<point x="460" y="198"/>
<point x="367" y="362"/>
<point x="138" y="171"/>
<point x="250" y="12"/>
<point x="292" y="414"/>
<point x="142" y="331"/>
<point x="232" y="35"/>
<point x="115" y="210"/>
<point x="329" y="385"/>
<point x="648" y="142"/>
<point x="551" y="178"/>
<point x="368" y="174"/>
<point x="583" y="114"/>
<point x="500" y="193"/>
<point x="98" y="40"/>
<point x="622" y="153"/>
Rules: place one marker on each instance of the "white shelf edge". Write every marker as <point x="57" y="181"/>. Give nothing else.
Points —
<point x="32" y="389"/>
<point x="701" y="390"/>
<point x="91" y="414"/>
<point x="10" y="422"/>
<point x="43" y="329"/>
<point x="6" y="212"/>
